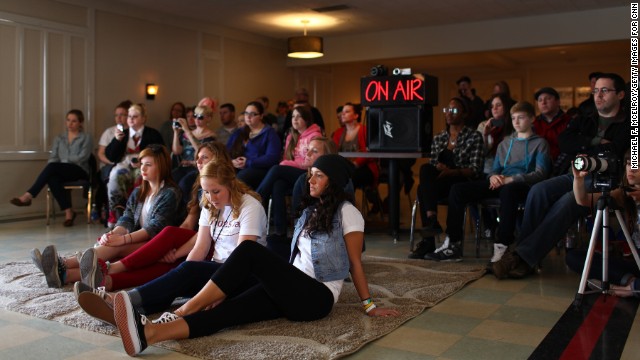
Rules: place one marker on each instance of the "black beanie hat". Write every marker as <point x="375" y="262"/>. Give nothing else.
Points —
<point x="338" y="169"/>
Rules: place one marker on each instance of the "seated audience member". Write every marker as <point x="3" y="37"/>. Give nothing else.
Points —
<point x="587" y="108"/>
<point x="124" y="150"/>
<point x="105" y="165"/>
<point x="69" y="161"/>
<point x="476" y="104"/>
<point x="301" y="290"/>
<point x="170" y="247"/>
<point x="301" y="97"/>
<point x="456" y="156"/>
<point x="499" y="88"/>
<point x="522" y="160"/>
<point x="229" y="124"/>
<point x="231" y="214"/>
<point x="178" y="110"/>
<point x="269" y="118"/>
<point x="150" y="208"/>
<point x="255" y="148"/>
<point x="352" y="137"/>
<point x="552" y="120"/>
<point x="318" y="146"/>
<point x="186" y="139"/>
<point x="281" y="115"/>
<point x="623" y="271"/>
<point x="280" y="179"/>
<point x="551" y="209"/>
<point x="496" y="128"/>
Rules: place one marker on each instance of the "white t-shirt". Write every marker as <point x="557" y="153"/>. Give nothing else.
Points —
<point x="352" y="220"/>
<point x="107" y="136"/>
<point x="225" y="230"/>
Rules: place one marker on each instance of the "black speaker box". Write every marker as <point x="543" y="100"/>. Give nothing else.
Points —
<point x="400" y="129"/>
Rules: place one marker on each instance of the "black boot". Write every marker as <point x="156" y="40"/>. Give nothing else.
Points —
<point x="425" y="246"/>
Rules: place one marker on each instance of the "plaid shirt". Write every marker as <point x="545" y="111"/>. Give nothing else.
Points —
<point x="468" y="151"/>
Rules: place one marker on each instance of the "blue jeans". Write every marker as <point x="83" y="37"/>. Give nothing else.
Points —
<point x="184" y="281"/>
<point x="462" y="194"/>
<point x="550" y="211"/>
<point x="252" y="176"/>
<point x="277" y="185"/>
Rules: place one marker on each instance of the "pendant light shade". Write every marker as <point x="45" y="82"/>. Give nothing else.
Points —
<point x="305" y="47"/>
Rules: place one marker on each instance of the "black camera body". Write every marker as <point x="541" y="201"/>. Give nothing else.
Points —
<point x="604" y="167"/>
<point x="176" y="124"/>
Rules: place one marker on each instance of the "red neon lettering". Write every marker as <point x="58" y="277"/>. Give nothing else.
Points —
<point x="415" y="85"/>
<point x="400" y="89"/>
<point x="367" y="93"/>
<point x="377" y="91"/>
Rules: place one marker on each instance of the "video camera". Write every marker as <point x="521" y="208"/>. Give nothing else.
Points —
<point x="605" y="168"/>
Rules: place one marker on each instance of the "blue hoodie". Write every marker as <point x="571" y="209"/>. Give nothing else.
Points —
<point x="525" y="160"/>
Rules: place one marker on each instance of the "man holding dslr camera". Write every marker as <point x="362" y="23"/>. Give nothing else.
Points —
<point x="551" y="208"/>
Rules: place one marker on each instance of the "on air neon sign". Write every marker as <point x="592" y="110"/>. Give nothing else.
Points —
<point x="398" y="90"/>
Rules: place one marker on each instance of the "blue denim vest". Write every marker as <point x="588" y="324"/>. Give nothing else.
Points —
<point x="328" y="252"/>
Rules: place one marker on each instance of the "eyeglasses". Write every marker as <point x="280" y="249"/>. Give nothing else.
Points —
<point x="198" y="116"/>
<point x="603" y="90"/>
<point x="250" y="114"/>
<point x="121" y="114"/>
<point x="453" y="111"/>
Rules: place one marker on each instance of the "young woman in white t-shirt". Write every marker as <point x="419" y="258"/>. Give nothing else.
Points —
<point x="231" y="214"/>
<point x="170" y="247"/>
<point x="327" y="246"/>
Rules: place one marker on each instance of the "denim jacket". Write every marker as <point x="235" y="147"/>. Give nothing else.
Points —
<point x="328" y="251"/>
<point x="165" y="210"/>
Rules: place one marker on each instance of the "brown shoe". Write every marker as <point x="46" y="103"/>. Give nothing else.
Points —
<point x="18" y="202"/>
<point x="502" y="267"/>
<point x="69" y="222"/>
<point x="521" y="268"/>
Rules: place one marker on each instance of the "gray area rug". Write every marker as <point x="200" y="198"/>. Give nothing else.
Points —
<point x="407" y="285"/>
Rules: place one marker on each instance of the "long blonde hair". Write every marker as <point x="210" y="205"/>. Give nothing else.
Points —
<point x="220" y="154"/>
<point x="225" y="175"/>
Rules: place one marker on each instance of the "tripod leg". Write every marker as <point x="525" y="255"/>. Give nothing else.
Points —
<point x="588" y="259"/>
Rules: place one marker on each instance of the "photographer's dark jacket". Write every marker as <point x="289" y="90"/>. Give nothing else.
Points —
<point x="118" y="148"/>
<point x="576" y="139"/>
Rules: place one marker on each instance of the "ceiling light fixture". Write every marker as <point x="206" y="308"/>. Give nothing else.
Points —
<point x="305" y="47"/>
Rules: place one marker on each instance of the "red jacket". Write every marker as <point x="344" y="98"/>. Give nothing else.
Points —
<point x="550" y="131"/>
<point x="362" y="147"/>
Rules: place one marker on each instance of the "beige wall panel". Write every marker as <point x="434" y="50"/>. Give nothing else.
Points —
<point x="47" y="10"/>
<point x="132" y="52"/>
<point x="31" y="138"/>
<point x="8" y="86"/>
<point x="251" y="71"/>
<point x="56" y="78"/>
<point x="77" y="58"/>
<point x="212" y="81"/>
<point x="211" y="42"/>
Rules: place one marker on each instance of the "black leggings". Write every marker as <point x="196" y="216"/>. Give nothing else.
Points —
<point x="282" y="291"/>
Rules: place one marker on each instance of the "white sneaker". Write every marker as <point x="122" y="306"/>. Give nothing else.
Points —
<point x="498" y="252"/>
<point x="445" y="245"/>
<point x="167" y="317"/>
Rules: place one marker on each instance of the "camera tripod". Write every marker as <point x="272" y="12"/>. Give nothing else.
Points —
<point x="602" y="222"/>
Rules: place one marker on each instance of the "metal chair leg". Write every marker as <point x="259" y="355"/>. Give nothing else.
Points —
<point x="414" y="211"/>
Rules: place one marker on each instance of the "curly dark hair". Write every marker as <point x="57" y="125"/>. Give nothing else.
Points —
<point x="323" y="209"/>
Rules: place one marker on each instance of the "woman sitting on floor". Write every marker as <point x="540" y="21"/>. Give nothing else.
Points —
<point x="167" y="249"/>
<point x="150" y="208"/>
<point x="330" y="231"/>
<point x="231" y="214"/>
